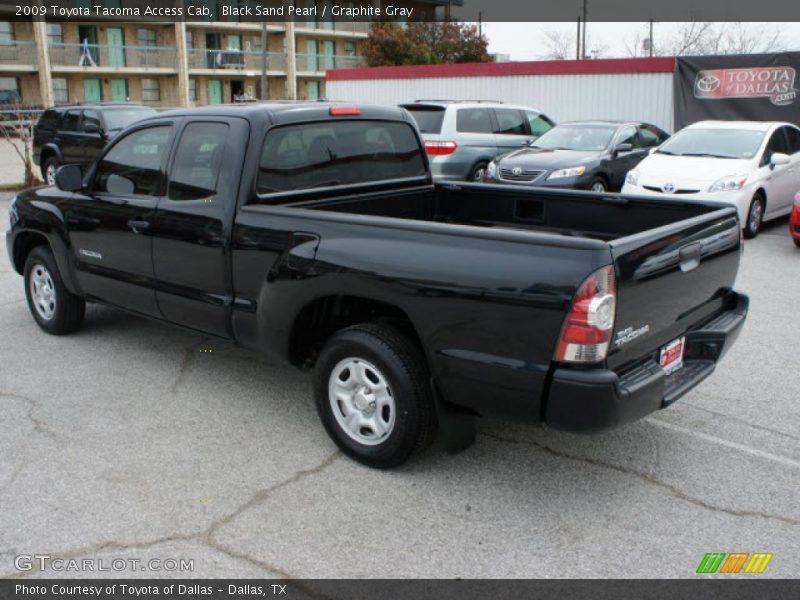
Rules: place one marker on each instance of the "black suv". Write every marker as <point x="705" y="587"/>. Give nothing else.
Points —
<point x="77" y="134"/>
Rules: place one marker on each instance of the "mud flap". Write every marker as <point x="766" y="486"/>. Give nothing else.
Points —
<point x="456" y="427"/>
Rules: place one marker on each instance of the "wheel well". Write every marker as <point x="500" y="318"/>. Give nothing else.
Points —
<point x="46" y="153"/>
<point x="325" y="316"/>
<point x="25" y="242"/>
<point x="763" y="193"/>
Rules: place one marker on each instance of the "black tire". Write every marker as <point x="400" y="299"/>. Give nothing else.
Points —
<point x="67" y="308"/>
<point x="476" y="174"/>
<point x="402" y="365"/>
<point x="754" y="221"/>
<point x="596" y="183"/>
<point x="51" y="163"/>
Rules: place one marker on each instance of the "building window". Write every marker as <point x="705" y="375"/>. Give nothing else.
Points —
<point x="190" y="39"/>
<point x="151" y="90"/>
<point x="60" y="90"/>
<point x="147" y="37"/>
<point x="349" y="49"/>
<point x="193" y="90"/>
<point x="55" y="33"/>
<point x="6" y="33"/>
<point x="9" y="90"/>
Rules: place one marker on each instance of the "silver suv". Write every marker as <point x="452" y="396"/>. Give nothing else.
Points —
<point x="463" y="136"/>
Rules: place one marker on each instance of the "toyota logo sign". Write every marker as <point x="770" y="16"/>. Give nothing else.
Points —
<point x="516" y="171"/>
<point x="668" y="188"/>
<point x="708" y="84"/>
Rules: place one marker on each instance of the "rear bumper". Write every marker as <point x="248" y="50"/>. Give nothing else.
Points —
<point x="598" y="399"/>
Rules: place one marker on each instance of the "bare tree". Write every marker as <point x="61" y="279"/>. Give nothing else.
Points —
<point x="558" y="44"/>
<point x="16" y="123"/>
<point x="561" y="45"/>
<point x="704" y="37"/>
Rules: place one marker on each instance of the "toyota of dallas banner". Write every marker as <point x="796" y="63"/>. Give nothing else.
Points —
<point x="747" y="87"/>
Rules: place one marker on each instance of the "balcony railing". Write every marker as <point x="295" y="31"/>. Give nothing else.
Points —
<point x="236" y="60"/>
<point x="75" y="55"/>
<point x="336" y="26"/>
<point x="323" y="62"/>
<point x="18" y="53"/>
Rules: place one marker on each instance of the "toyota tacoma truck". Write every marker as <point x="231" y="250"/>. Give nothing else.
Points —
<point x="315" y="232"/>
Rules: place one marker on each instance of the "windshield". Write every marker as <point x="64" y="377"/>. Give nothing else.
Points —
<point x="120" y="118"/>
<point x="718" y="143"/>
<point x="576" y="137"/>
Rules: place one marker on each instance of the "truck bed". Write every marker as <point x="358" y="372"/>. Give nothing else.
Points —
<point x="563" y="212"/>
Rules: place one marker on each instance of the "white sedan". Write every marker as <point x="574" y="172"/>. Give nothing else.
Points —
<point x="752" y="165"/>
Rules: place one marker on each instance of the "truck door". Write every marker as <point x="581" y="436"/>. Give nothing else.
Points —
<point x="192" y="225"/>
<point x="110" y="226"/>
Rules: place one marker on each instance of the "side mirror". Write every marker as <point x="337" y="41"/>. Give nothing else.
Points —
<point x="620" y="148"/>
<point x="778" y="159"/>
<point x="91" y="128"/>
<point x="69" y="178"/>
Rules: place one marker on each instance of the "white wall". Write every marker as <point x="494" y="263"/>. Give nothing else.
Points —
<point x="636" y="96"/>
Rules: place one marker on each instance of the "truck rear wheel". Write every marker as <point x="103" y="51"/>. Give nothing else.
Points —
<point x="373" y="395"/>
<point x="54" y="308"/>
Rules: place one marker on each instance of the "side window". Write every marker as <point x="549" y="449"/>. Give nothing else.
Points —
<point x="794" y="139"/>
<point x="776" y="143"/>
<point x="333" y="153"/>
<point x="49" y="120"/>
<point x="538" y="123"/>
<point x="473" y="120"/>
<point x="651" y="136"/>
<point x="133" y="165"/>
<point x="510" y="121"/>
<point x="71" y="121"/>
<point x="198" y="159"/>
<point x="628" y="135"/>
<point x="91" y="116"/>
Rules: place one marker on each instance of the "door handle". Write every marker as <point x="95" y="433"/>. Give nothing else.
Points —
<point x="138" y="226"/>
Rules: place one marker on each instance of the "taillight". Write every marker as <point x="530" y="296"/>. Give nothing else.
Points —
<point x="586" y="334"/>
<point x="440" y="148"/>
<point x="341" y="111"/>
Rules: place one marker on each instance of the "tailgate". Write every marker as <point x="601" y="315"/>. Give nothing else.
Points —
<point x="670" y="279"/>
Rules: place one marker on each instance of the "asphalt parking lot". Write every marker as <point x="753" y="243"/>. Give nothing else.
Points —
<point x="134" y="440"/>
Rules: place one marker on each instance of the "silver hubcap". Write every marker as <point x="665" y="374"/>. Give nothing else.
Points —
<point x="755" y="216"/>
<point x="43" y="292"/>
<point x="598" y="186"/>
<point x="479" y="174"/>
<point x="361" y="401"/>
<point x="50" y="174"/>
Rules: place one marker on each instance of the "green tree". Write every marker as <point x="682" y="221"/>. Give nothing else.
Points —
<point x="425" y="43"/>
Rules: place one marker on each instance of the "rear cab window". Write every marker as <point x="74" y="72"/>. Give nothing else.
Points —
<point x="428" y="118"/>
<point x="304" y="156"/>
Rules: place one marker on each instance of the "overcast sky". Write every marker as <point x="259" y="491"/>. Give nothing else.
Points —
<point x="525" y="41"/>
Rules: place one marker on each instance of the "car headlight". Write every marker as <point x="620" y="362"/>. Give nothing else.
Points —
<point x="491" y="170"/>
<point x="571" y="172"/>
<point x="731" y="183"/>
<point x="632" y="177"/>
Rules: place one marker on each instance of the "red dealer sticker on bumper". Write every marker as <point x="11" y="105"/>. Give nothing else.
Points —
<point x="671" y="358"/>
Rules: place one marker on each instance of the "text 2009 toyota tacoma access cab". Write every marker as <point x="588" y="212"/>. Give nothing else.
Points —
<point x="315" y="232"/>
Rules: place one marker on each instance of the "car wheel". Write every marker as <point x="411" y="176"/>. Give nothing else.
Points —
<point x="598" y="185"/>
<point x="477" y="172"/>
<point x="755" y="216"/>
<point x="54" y="308"/>
<point x="49" y="170"/>
<point x="373" y="395"/>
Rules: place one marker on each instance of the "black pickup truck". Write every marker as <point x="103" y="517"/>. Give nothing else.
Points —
<point x="315" y="232"/>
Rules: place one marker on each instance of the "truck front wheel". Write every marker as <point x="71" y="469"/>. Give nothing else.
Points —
<point x="53" y="306"/>
<point x="373" y="395"/>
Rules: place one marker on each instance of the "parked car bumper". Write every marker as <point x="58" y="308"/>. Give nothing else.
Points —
<point x="589" y="400"/>
<point x="584" y="182"/>
<point x="740" y="198"/>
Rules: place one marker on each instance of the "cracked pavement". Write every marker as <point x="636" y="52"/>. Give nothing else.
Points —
<point x="131" y="439"/>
